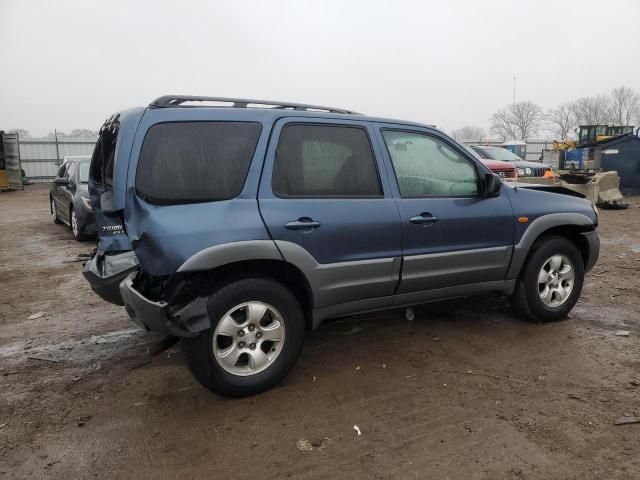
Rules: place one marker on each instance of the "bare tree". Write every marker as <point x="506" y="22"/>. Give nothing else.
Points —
<point x="624" y="105"/>
<point x="517" y="121"/>
<point x="562" y="121"/>
<point x="468" y="133"/>
<point x="22" y="133"/>
<point x="82" y="132"/>
<point x="592" y="110"/>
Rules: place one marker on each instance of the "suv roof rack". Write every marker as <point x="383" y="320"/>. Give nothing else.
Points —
<point x="178" y="100"/>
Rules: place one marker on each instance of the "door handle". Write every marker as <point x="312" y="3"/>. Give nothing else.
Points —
<point x="304" y="223"/>
<point x="423" y="218"/>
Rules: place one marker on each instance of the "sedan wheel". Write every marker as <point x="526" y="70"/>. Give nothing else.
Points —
<point x="74" y="223"/>
<point x="76" y="228"/>
<point x="54" y="212"/>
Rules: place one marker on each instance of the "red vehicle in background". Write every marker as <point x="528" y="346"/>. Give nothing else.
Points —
<point x="503" y="169"/>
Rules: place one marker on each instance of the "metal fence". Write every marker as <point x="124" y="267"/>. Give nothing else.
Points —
<point x="40" y="158"/>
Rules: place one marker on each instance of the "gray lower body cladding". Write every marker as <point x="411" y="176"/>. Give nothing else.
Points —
<point x="339" y="288"/>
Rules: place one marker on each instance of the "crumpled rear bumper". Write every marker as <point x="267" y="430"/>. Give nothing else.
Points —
<point x="158" y="316"/>
<point x="104" y="272"/>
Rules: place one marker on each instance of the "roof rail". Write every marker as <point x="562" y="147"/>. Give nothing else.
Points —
<point x="178" y="100"/>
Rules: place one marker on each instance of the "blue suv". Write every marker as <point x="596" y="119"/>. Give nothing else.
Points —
<point x="239" y="224"/>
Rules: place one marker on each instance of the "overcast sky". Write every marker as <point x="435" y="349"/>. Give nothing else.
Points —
<point x="69" y="64"/>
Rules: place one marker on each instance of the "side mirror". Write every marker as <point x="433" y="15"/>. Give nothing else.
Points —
<point x="492" y="184"/>
<point x="61" y="182"/>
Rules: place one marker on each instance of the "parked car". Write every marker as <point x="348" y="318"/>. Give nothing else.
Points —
<point x="237" y="228"/>
<point x="524" y="168"/>
<point x="504" y="170"/>
<point x="69" y="197"/>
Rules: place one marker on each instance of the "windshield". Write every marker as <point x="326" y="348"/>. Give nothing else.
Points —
<point x="475" y="154"/>
<point x="497" y="153"/>
<point x="84" y="172"/>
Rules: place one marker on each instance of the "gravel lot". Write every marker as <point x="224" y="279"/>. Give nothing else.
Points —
<point x="465" y="391"/>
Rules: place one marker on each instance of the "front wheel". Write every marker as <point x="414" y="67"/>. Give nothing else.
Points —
<point x="257" y="331"/>
<point x="54" y="212"/>
<point x="76" y="227"/>
<point x="551" y="280"/>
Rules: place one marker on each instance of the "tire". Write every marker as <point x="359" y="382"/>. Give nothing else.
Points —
<point x="76" y="226"/>
<point x="54" y="212"/>
<point x="546" y="297"/>
<point x="236" y="300"/>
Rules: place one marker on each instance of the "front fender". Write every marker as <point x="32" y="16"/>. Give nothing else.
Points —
<point x="537" y="228"/>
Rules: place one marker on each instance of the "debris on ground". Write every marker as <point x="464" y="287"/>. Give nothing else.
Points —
<point x="4" y="424"/>
<point x="409" y="314"/>
<point x="84" y="419"/>
<point x="36" y="316"/>
<point x="622" y="333"/>
<point x="304" y="445"/>
<point x="354" y="331"/>
<point x="44" y="359"/>
<point x="626" y="419"/>
<point x="357" y="429"/>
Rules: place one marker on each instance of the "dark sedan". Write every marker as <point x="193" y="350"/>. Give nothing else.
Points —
<point x="69" y="197"/>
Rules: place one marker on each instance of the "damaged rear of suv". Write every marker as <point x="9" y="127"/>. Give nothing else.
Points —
<point x="237" y="228"/>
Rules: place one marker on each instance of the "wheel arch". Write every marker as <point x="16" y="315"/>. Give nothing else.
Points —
<point x="211" y="279"/>
<point x="571" y="226"/>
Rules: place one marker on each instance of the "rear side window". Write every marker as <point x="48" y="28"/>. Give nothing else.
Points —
<point x="325" y="161"/>
<point x="187" y="162"/>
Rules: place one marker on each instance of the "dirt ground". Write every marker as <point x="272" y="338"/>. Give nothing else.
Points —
<point x="465" y="391"/>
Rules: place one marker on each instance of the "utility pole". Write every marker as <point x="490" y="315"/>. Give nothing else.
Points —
<point x="514" y="89"/>
<point x="55" y="134"/>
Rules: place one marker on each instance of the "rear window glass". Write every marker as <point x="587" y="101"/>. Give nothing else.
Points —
<point x="183" y="162"/>
<point x="325" y="161"/>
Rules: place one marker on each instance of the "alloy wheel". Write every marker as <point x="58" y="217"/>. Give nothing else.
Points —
<point x="248" y="338"/>
<point x="555" y="280"/>
<point x="74" y="223"/>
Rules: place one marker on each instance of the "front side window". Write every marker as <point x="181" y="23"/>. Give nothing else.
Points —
<point x="427" y="167"/>
<point x="325" y="161"/>
<point x="187" y="162"/>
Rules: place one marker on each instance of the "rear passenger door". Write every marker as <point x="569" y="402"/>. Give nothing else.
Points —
<point x="326" y="200"/>
<point x="452" y="235"/>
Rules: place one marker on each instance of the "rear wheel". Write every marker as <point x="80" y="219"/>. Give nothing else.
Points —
<point x="54" y="212"/>
<point x="257" y="331"/>
<point x="551" y="280"/>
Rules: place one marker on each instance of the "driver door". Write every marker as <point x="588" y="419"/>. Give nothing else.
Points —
<point x="451" y="235"/>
